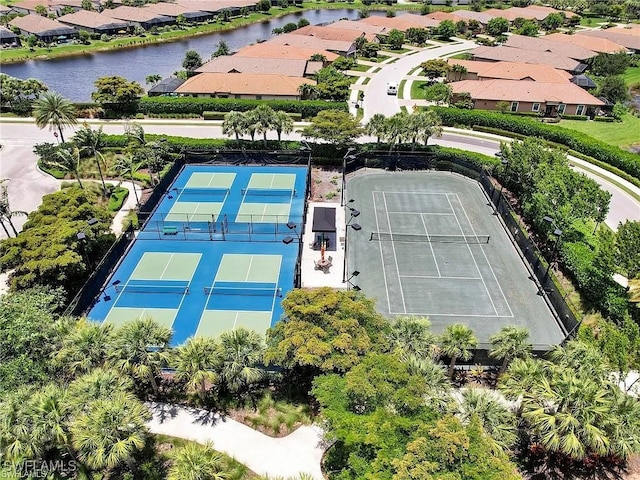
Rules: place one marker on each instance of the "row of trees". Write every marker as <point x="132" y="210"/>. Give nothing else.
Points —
<point x="260" y="120"/>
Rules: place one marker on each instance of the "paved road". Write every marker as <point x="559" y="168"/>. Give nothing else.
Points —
<point x="28" y="184"/>
<point x="376" y="99"/>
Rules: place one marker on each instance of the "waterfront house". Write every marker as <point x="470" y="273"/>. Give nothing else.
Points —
<point x="173" y="10"/>
<point x="94" y="22"/>
<point x="358" y="26"/>
<point x="217" y="6"/>
<point x="342" y="47"/>
<point x="45" y="29"/>
<point x="277" y="66"/>
<point x="401" y="22"/>
<point x="507" y="54"/>
<point x="165" y="87"/>
<point x="8" y="38"/>
<point x="286" y="52"/>
<point x="140" y="17"/>
<point x="335" y="34"/>
<point x="507" y="71"/>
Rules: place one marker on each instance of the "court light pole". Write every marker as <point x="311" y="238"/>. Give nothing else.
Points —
<point x="307" y="148"/>
<point x="82" y="240"/>
<point x="356" y="226"/>
<point x="354" y="274"/>
<point x="289" y="239"/>
<point x="344" y="169"/>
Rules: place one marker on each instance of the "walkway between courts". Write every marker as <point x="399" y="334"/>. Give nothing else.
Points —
<point x="299" y="452"/>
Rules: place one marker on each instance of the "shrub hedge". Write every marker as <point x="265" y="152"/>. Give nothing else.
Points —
<point x="609" y="154"/>
<point x="582" y="118"/>
<point x="306" y="108"/>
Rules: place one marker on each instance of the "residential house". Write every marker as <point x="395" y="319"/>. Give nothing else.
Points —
<point x="598" y="45"/>
<point x="243" y="85"/>
<point x="140" y="17"/>
<point x="550" y="99"/>
<point x="7" y="37"/>
<point x="480" y="17"/>
<point x="528" y="13"/>
<point x="29" y="6"/>
<point x="358" y="26"/>
<point x="218" y="6"/>
<point x="549" y="10"/>
<point x="401" y="22"/>
<point x="440" y="16"/>
<point x="45" y="29"/>
<point x="336" y="34"/>
<point x="507" y="71"/>
<point x="342" y="47"/>
<point x="507" y="54"/>
<point x="542" y="44"/>
<point x="74" y="4"/>
<point x="94" y="22"/>
<point x="174" y="10"/>
<point x="4" y="10"/>
<point x="278" y="51"/>
<point x="275" y="66"/>
<point x="628" y="36"/>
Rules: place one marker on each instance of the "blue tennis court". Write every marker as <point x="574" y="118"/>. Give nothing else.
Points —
<point x="211" y="257"/>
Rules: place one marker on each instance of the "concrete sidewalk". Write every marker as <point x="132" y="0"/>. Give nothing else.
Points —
<point x="299" y="452"/>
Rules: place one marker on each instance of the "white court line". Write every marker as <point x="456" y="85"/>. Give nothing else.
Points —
<point x="424" y="213"/>
<point x="433" y="254"/>
<point x="439" y="277"/>
<point x="384" y="270"/>
<point x="474" y="258"/>
<point x="413" y="193"/>
<point x="395" y="256"/>
<point x="275" y="294"/>
<point x="166" y="266"/>
<point x="426" y="314"/>
<point x="246" y="277"/>
<point x="485" y="257"/>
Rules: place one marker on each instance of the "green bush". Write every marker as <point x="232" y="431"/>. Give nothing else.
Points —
<point x="213" y="115"/>
<point x="182" y="105"/>
<point x="117" y="198"/>
<point x="604" y="119"/>
<point x="582" y="118"/>
<point x="609" y="154"/>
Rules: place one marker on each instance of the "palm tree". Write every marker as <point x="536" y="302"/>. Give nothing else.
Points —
<point x="195" y="361"/>
<point x="99" y="383"/>
<point x="50" y="412"/>
<point x="282" y="122"/>
<point x="377" y="126"/>
<point x="424" y="124"/>
<point x="433" y="376"/>
<point x="307" y="91"/>
<point x="140" y="348"/>
<point x="397" y="129"/>
<point x="16" y="440"/>
<point x="411" y="337"/>
<point x="251" y="123"/>
<point x="68" y="161"/>
<point x="459" y="70"/>
<point x="153" y="79"/>
<point x="53" y="110"/>
<point x="509" y="343"/>
<point x="6" y="214"/>
<point x="264" y="119"/>
<point x="494" y="415"/>
<point x="127" y="165"/>
<point x="92" y="141"/>
<point x="84" y="348"/>
<point x="240" y="354"/>
<point x="110" y="431"/>
<point x="234" y="122"/>
<point x="196" y="462"/>
<point x="457" y="342"/>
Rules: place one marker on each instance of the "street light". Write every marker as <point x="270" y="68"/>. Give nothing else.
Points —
<point x="307" y="148"/>
<point x="355" y="273"/>
<point x="557" y="233"/>
<point x="289" y="239"/>
<point x="344" y="168"/>
<point x="357" y="227"/>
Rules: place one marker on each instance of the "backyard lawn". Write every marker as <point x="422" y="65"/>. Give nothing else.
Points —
<point x="632" y="75"/>
<point x="417" y="89"/>
<point x="622" y="134"/>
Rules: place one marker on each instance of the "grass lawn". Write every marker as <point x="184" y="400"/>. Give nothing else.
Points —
<point x="417" y="89"/>
<point x="632" y="75"/>
<point x="460" y="56"/>
<point x="360" y="68"/>
<point x="592" y="21"/>
<point x="621" y="134"/>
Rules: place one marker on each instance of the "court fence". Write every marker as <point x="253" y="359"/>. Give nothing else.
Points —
<point x="87" y="296"/>
<point x="565" y="313"/>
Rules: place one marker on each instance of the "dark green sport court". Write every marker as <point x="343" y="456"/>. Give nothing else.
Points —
<point x="430" y="246"/>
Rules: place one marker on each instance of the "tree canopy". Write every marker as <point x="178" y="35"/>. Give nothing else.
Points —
<point x="335" y="126"/>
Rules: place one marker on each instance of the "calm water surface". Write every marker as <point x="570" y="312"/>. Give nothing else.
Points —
<point x="73" y="77"/>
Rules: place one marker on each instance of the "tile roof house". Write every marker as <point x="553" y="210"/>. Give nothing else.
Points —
<point x="276" y="50"/>
<point x="599" y="45"/>
<point x="174" y="10"/>
<point x="508" y="71"/>
<point x="343" y="47"/>
<point x="44" y="28"/>
<point x="402" y="22"/>
<point x="337" y="34"/>
<point x="7" y="37"/>
<point x="243" y="85"/>
<point x="628" y="37"/>
<point x="542" y="44"/>
<point x="139" y="16"/>
<point x="216" y="6"/>
<point x="419" y="20"/>
<point x="29" y="6"/>
<point x="94" y="22"/>
<point x="480" y="17"/>
<point x="275" y="66"/>
<point x="439" y="16"/>
<point x="359" y="26"/>
<point x="550" y="10"/>
<point x="546" y="98"/>
<point x="529" y="13"/>
<point x="507" y="54"/>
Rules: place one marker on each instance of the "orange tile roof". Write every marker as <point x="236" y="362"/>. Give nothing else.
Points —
<point x="316" y="43"/>
<point x="514" y="71"/>
<point x="401" y="22"/>
<point x="440" y="16"/>
<point x="419" y="20"/>
<point x="243" y="84"/>
<point x="136" y="14"/>
<point x="549" y="10"/>
<point x="600" y="45"/>
<point x="334" y="34"/>
<point x="276" y="50"/>
<point x="85" y="18"/>
<point x="507" y="54"/>
<point x="171" y="9"/>
<point x="359" y="26"/>
<point x="39" y="25"/>
<point x="467" y="15"/>
<point x="276" y="66"/>
<point x="542" y="44"/>
<point x="515" y="91"/>
<point x="629" y="37"/>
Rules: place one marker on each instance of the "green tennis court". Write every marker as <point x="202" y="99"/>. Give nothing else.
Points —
<point x="275" y="181"/>
<point x="430" y="246"/>
<point x="210" y="180"/>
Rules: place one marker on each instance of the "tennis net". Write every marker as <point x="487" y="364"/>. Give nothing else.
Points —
<point x="202" y="191"/>
<point x="404" y="237"/>
<point x="162" y="289"/>
<point x="269" y="192"/>
<point x="267" y="292"/>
